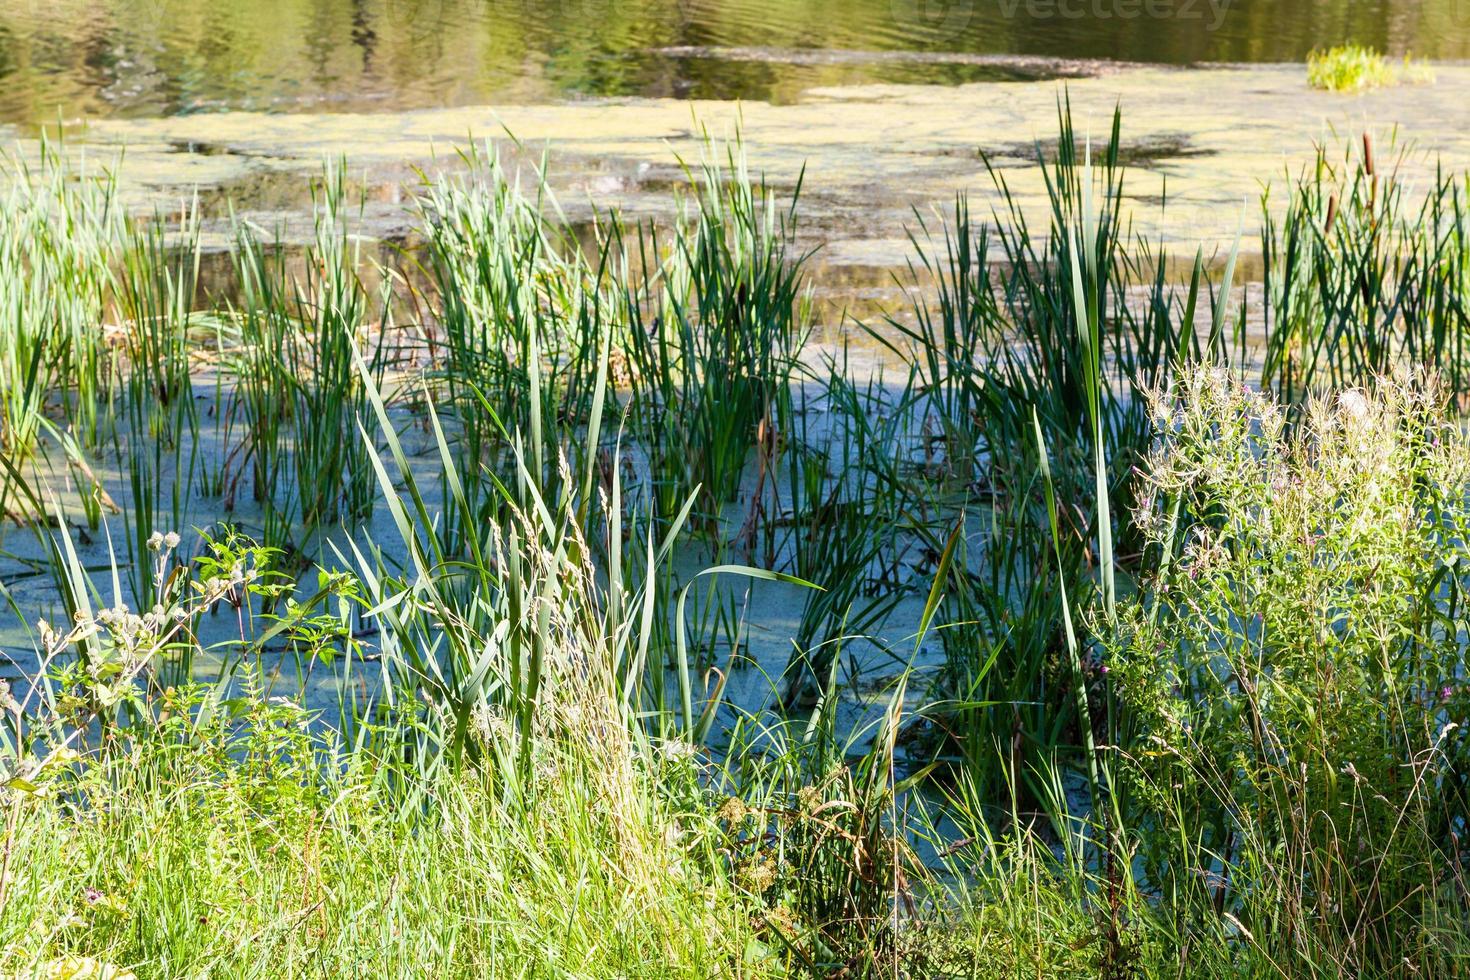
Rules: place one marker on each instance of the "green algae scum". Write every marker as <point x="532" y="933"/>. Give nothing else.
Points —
<point x="477" y="498"/>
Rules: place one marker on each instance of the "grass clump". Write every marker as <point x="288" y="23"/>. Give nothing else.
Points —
<point x="1352" y="68"/>
<point x="714" y="335"/>
<point x="226" y="841"/>
<point x="1348" y="68"/>
<point x="61" y="233"/>
<point x="294" y="364"/>
<point x="520" y="317"/>
<point x="1364" y="275"/>
<point x="1065" y="334"/>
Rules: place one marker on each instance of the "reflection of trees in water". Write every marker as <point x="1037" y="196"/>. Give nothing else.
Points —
<point x="161" y="56"/>
<point x="363" y="34"/>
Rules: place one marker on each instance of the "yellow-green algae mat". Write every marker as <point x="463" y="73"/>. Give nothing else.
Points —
<point x="1210" y="137"/>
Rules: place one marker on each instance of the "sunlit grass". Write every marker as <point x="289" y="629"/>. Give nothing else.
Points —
<point x="1352" y="68"/>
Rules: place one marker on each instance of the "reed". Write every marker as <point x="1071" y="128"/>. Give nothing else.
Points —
<point x="850" y="505"/>
<point x="521" y="316"/>
<point x="713" y="336"/>
<point x="1065" y="330"/>
<point x="62" y="232"/>
<point x="1362" y="275"/>
<point x="300" y="325"/>
<point x="158" y="297"/>
<point x="1348" y="68"/>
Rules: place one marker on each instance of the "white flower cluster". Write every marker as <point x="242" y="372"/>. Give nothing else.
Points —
<point x="158" y="541"/>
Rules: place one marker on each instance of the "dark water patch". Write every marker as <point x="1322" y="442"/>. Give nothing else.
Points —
<point x="1154" y="149"/>
<point x="199" y="148"/>
<point x="991" y="67"/>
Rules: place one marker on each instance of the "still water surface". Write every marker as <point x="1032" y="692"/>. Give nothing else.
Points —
<point x="95" y="58"/>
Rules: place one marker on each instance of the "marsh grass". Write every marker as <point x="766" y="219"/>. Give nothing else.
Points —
<point x="850" y="504"/>
<point x="156" y="431"/>
<point x="713" y="336"/>
<point x="523" y="316"/>
<point x="1091" y="759"/>
<point x="1348" y="68"/>
<point x="507" y="729"/>
<point x="822" y="840"/>
<point x="1353" y="68"/>
<point x="62" y="232"/>
<point x="1062" y="338"/>
<point x="1001" y="341"/>
<point x="300" y="325"/>
<point x="1363" y="273"/>
<point x="1000" y="699"/>
<point x="157" y="303"/>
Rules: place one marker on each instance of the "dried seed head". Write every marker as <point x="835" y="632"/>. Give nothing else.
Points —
<point x="1353" y="405"/>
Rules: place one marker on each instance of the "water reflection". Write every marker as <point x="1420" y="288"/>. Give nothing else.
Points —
<point x="164" y="57"/>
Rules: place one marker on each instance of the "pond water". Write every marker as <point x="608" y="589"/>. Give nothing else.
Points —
<point x="166" y="57"/>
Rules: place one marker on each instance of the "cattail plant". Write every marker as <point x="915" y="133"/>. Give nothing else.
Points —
<point x="714" y="336"/>
<point x="61" y="234"/>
